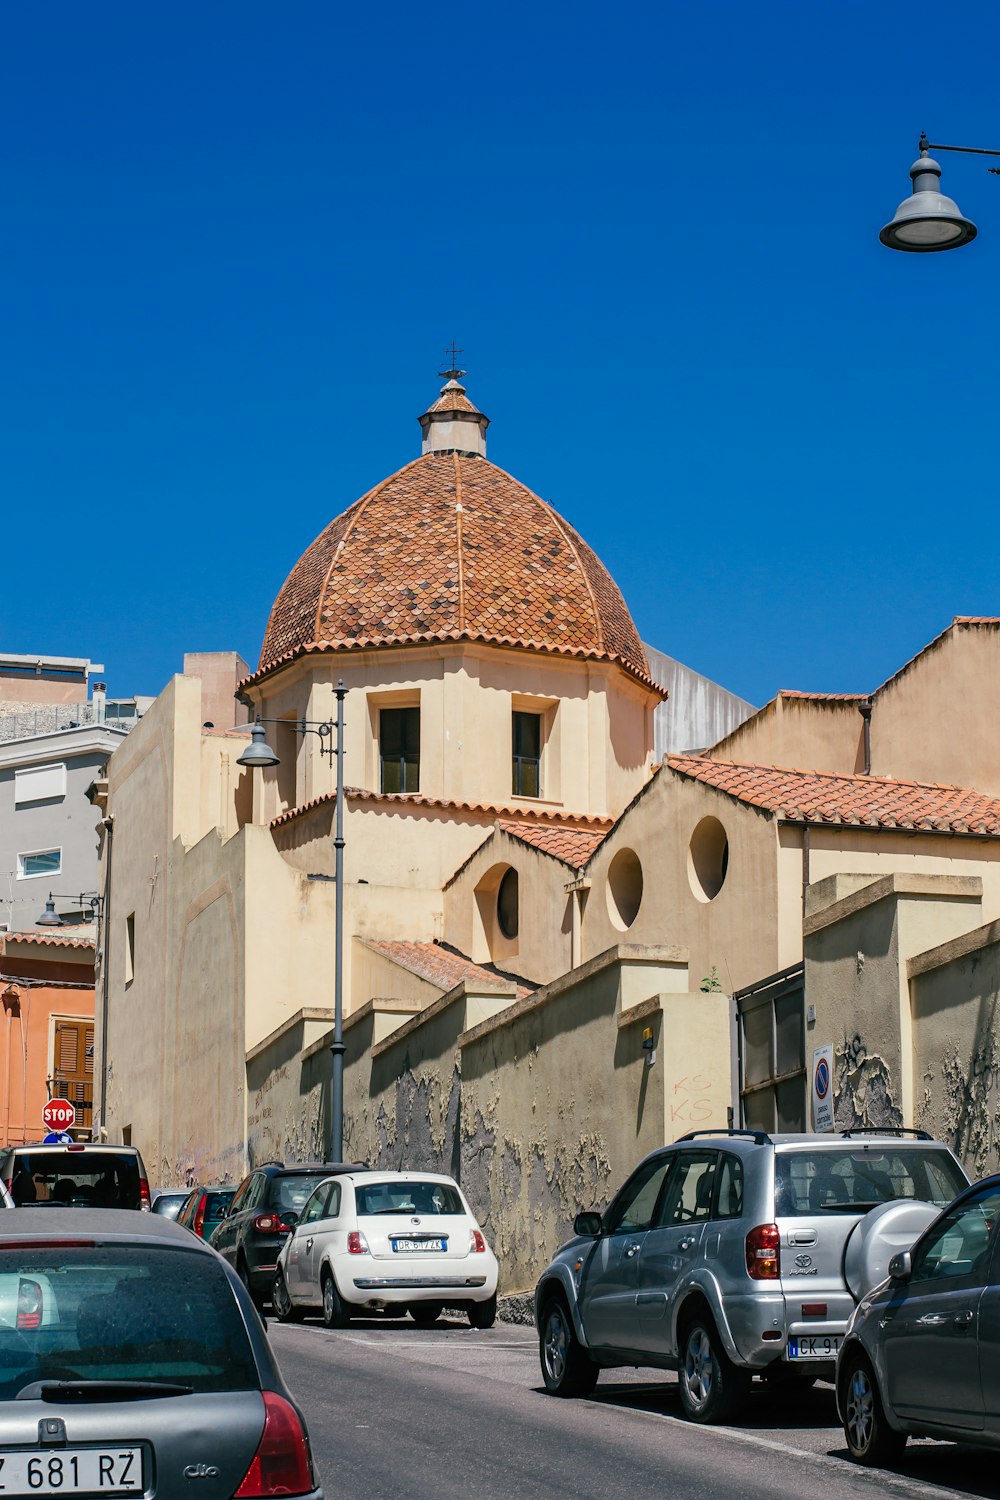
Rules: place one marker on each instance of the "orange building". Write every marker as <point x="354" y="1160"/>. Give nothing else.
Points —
<point x="46" y="1031"/>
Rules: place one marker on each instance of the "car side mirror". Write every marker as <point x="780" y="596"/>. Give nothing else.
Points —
<point x="901" y="1266"/>
<point x="589" y="1224"/>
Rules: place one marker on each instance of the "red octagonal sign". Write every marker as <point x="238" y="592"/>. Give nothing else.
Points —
<point x="58" y="1114"/>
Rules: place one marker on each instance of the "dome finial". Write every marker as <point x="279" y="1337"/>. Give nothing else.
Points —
<point x="452" y="424"/>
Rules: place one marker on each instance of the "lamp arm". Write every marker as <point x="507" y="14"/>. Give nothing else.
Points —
<point x="926" y="145"/>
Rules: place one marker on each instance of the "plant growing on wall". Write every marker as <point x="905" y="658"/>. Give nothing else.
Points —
<point x="711" y="984"/>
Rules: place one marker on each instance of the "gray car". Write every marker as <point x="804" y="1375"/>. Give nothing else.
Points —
<point x="133" y="1361"/>
<point x="736" y="1253"/>
<point x="921" y="1356"/>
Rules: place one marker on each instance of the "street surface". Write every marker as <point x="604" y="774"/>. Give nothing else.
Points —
<point x="395" y="1410"/>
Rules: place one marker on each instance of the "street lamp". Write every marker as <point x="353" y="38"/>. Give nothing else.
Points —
<point x="259" y="753"/>
<point x="927" y="220"/>
<point x="51" y="918"/>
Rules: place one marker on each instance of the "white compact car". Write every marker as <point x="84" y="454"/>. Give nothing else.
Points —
<point x="378" y="1241"/>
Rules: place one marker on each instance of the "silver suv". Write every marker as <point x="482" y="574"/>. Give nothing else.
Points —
<point x="735" y="1253"/>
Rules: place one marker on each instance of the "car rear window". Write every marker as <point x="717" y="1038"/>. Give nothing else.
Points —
<point x="91" y="1179"/>
<point x="119" y="1312"/>
<point x="414" y="1197"/>
<point x="849" y="1179"/>
<point x="217" y="1203"/>
<point x="290" y="1193"/>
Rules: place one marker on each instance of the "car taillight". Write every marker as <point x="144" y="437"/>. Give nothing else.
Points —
<point x="763" y="1253"/>
<point x="29" y="1304"/>
<point x="477" y="1244"/>
<point x="199" y="1216"/>
<point x="281" y="1465"/>
<point x="144" y="1201"/>
<point x="356" y="1243"/>
<point x="266" y="1223"/>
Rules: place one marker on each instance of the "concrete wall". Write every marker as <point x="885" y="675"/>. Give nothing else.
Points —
<point x="856" y="953"/>
<point x="816" y="734"/>
<point x="697" y="713"/>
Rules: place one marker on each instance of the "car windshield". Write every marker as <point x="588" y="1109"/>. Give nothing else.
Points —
<point x="288" y="1194"/>
<point x="91" y="1179"/>
<point x="119" y="1312"/>
<point x="853" y="1178"/>
<point x="408" y="1198"/>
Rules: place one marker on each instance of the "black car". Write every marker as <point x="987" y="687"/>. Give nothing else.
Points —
<point x="264" y="1211"/>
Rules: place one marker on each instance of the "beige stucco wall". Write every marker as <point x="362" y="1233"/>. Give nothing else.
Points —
<point x="931" y="721"/>
<point x="542" y="949"/>
<point x="597" y="725"/>
<point x="856" y="952"/>
<point x="955" y="1005"/>
<point x="813" y="734"/>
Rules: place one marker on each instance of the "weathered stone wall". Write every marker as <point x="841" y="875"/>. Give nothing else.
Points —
<point x="955" y="997"/>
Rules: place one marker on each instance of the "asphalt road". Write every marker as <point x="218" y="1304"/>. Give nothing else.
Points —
<point x="400" y="1411"/>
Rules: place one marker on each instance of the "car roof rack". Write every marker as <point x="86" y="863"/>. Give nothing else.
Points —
<point x="761" y="1137"/>
<point x="921" y="1135"/>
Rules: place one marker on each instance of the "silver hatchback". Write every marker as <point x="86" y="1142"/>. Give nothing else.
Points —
<point x="736" y="1253"/>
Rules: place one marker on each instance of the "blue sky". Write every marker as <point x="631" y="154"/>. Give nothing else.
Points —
<point x="236" y="238"/>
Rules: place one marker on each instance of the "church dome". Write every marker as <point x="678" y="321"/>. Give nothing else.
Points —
<point x="452" y="548"/>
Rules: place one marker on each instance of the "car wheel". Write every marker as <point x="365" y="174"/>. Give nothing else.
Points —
<point x="712" y="1388"/>
<point x="426" y="1312"/>
<point x="567" y="1368"/>
<point x="243" y="1272"/>
<point x="282" y="1303"/>
<point x="483" y="1314"/>
<point x="869" y="1437"/>
<point x="335" y="1315"/>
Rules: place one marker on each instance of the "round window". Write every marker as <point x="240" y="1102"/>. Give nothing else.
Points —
<point x="507" y="904"/>
<point x="708" y="859"/>
<point x="624" y="888"/>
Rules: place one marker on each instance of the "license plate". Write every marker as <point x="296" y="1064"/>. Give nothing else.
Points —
<point x="821" y="1346"/>
<point x="410" y="1246"/>
<point x="62" y="1471"/>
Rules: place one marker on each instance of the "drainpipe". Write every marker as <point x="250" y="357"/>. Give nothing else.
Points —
<point x="865" y="710"/>
<point x="104" y="922"/>
<point x="805" y="865"/>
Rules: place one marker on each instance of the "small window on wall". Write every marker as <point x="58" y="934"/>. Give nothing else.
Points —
<point x="42" y="862"/>
<point x="129" y="948"/>
<point x="39" y="784"/>
<point x="507" y="905"/>
<point x="399" y="749"/>
<point x="527" y="755"/>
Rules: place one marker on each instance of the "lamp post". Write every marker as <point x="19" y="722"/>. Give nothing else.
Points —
<point x="51" y="918"/>
<point x="927" y="220"/>
<point x="331" y="738"/>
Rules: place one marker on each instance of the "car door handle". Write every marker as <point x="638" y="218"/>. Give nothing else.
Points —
<point x="963" y="1319"/>
<point x="309" y="1243"/>
<point x="633" y="1249"/>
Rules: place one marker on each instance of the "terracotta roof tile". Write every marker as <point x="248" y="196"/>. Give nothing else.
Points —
<point x="574" y="846"/>
<point x="452" y="547"/>
<point x="861" y="801"/>
<point x="440" y="965"/>
<point x="417" y="799"/>
<point x="44" y="939"/>
<point x="824" y="697"/>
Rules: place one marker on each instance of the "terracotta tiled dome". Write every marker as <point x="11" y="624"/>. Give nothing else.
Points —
<point x="450" y="548"/>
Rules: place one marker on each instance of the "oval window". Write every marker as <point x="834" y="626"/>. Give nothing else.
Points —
<point x="624" y="888"/>
<point x="507" y="904"/>
<point x="708" y="859"/>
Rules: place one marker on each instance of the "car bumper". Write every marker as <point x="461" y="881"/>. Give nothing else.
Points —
<point x="395" y="1284"/>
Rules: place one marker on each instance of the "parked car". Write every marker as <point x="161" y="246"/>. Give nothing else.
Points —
<point x="204" y="1209"/>
<point x="736" y="1253"/>
<point x="386" y="1241"/>
<point x="921" y="1355"/>
<point x="115" y="1306"/>
<point x="168" y="1202"/>
<point x="264" y="1209"/>
<point x="76" y="1174"/>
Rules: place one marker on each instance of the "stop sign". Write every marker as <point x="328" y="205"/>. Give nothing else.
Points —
<point x="58" y="1114"/>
